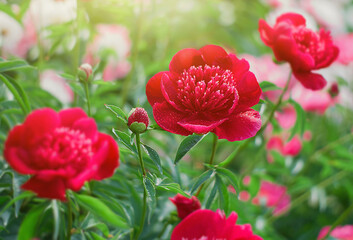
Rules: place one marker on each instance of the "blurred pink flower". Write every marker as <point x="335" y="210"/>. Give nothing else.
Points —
<point x="246" y="180"/>
<point x="273" y="195"/>
<point x="57" y="86"/>
<point x="344" y="43"/>
<point x="29" y="38"/>
<point x="290" y="148"/>
<point x="339" y="233"/>
<point x="114" y="38"/>
<point x="286" y="117"/>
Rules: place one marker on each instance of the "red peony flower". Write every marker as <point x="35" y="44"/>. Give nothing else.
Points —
<point x="205" y="224"/>
<point x="61" y="151"/>
<point x="303" y="48"/>
<point x="206" y="90"/>
<point x="185" y="205"/>
<point x="138" y="120"/>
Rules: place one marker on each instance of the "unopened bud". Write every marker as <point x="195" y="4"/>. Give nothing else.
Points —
<point x="138" y="120"/>
<point x="85" y="72"/>
<point x="185" y="205"/>
<point x="334" y="91"/>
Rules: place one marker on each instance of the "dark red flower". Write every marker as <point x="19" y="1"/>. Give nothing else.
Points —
<point x="185" y="205"/>
<point x="61" y="151"/>
<point x="303" y="48"/>
<point x="205" y="224"/>
<point x="206" y="90"/>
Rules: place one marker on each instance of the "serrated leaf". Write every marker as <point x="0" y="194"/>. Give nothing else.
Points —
<point x="211" y="196"/>
<point x="154" y="156"/>
<point x="201" y="179"/>
<point x="231" y="178"/>
<point x="186" y="145"/>
<point x="268" y="86"/>
<point x="172" y="187"/>
<point x="29" y="224"/>
<point x="125" y="139"/>
<point x="299" y="125"/>
<point x="117" y="111"/>
<point x="16" y="64"/>
<point x="99" y="209"/>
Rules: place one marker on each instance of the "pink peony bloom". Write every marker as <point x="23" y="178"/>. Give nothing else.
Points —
<point x="206" y="90"/>
<point x="287" y="117"/>
<point x="291" y="41"/>
<point x="273" y="196"/>
<point x="60" y="151"/>
<point x="113" y="38"/>
<point x="185" y="205"/>
<point x="344" y="43"/>
<point x="205" y="224"/>
<point x="339" y="233"/>
<point x="57" y="86"/>
<point x="291" y="148"/>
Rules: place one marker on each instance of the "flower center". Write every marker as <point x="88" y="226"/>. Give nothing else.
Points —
<point x="64" y="147"/>
<point x="207" y="89"/>
<point x="311" y="42"/>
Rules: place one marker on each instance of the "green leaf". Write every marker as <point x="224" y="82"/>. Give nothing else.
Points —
<point x="29" y="224"/>
<point x="68" y="76"/>
<point x="268" y="86"/>
<point x="201" y="179"/>
<point x="99" y="209"/>
<point x="125" y="139"/>
<point x="154" y="156"/>
<point x="56" y="216"/>
<point x="16" y="64"/>
<point x="211" y="196"/>
<point x="19" y="197"/>
<point x="299" y="126"/>
<point x="230" y="176"/>
<point x="223" y="194"/>
<point x="172" y="187"/>
<point x="117" y="111"/>
<point x="102" y="82"/>
<point x="77" y="89"/>
<point x="186" y="145"/>
<point x="151" y="195"/>
<point x="95" y="236"/>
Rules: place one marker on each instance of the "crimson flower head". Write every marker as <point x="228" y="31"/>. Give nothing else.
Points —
<point x="61" y="151"/>
<point x="205" y="224"/>
<point x="303" y="48"/>
<point x="206" y="90"/>
<point x="138" y="120"/>
<point x="185" y="205"/>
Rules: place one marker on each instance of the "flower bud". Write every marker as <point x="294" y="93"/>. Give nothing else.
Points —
<point x="85" y="72"/>
<point x="185" y="205"/>
<point x="334" y="91"/>
<point x="138" y="120"/>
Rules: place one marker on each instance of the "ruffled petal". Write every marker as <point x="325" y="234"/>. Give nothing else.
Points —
<point x="168" y="117"/>
<point x="153" y="89"/>
<point x="169" y="91"/>
<point x="198" y="125"/>
<point x="311" y="80"/>
<point x="71" y="115"/>
<point x="186" y="58"/>
<point x="240" y="126"/>
<point x="216" y="56"/>
<point x="53" y="188"/>
<point x="87" y="126"/>
<point x="295" y="18"/>
<point x="249" y="91"/>
<point x="266" y="32"/>
<point x="19" y="160"/>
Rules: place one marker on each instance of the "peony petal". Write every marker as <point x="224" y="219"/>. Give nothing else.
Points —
<point x="69" y="116"/>
<point x="19" y="160"/>
<point x="87" y="126"/>
<point x="198" y="125"/>
<point x="240" y="66"/>
<point x="184" y="59"/>
<point x="169" y="91"/>
<point x="240" y="126"/>
<point x="168" y="117"/>
<point x="46" y="188"/>
<point x="287" y="117"/>
<point x="295" y="18"/>
<point x="311" y="80"/>
<point x="293" y="147"/>
<point x="153" y="89"/>
<point x="249" y="91"/>
<point x="266" y="32"/>
<point x="216" y="56"/>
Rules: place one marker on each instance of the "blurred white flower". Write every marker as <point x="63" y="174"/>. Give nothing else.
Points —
<point x="11" y="34"/>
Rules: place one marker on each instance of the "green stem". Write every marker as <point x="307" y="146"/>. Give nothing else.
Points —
<point x="340" y="220"/>
<point x="135" y="43"/>
<point x="245" y="143"/>
<point x="69" y="216"/>
<point x="87" y="98"/>
<point x="214" y="146"/>
<point x="144" y="207"/>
